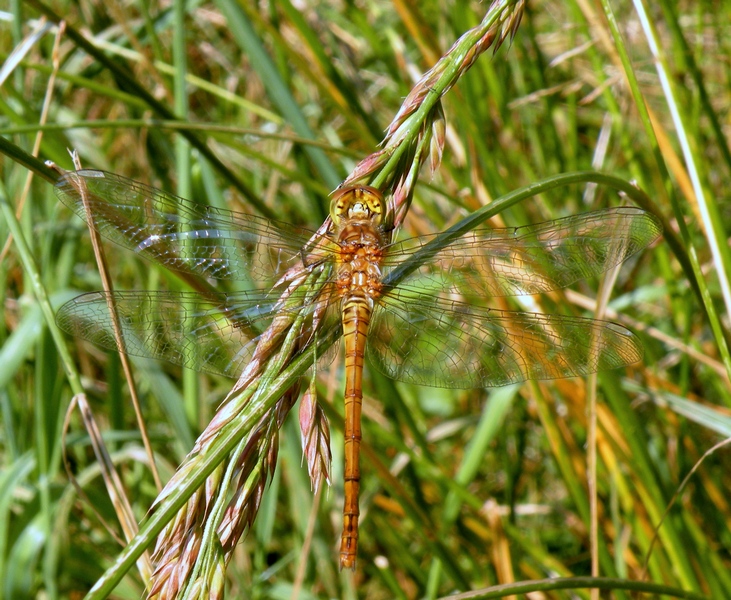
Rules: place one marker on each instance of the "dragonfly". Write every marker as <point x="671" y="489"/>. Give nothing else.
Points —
<point x="418" y="308"/>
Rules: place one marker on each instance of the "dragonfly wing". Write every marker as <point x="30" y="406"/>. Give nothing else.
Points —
<point x="180" y="234"/>
<point x="215" y="334"/>
<point x="530" y="259"/>
<point x="435" y="342"/>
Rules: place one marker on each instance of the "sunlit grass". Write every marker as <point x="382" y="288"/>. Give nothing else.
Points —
<point x="462" y="490"/>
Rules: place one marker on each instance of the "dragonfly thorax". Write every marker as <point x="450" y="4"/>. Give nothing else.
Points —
<point x="357" y="213"/>
<point x="359" y="261"/>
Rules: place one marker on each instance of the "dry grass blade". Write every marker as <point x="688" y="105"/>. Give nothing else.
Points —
<point x="112" y="480"/>
<point x="107" y="285"/>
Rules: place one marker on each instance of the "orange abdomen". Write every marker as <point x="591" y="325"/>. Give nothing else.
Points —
<point x="356" y="317"/>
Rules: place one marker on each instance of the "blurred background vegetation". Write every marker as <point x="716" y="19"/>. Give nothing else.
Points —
<point x="268" y="118"/>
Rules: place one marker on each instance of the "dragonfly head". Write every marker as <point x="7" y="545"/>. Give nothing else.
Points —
<point x="360" y="202"/>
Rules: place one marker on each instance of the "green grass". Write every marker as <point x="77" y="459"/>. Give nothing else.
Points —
<point x="462" y="490"/>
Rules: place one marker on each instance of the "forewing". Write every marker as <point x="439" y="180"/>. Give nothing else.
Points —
<point x="180" y="234"/>
<point x="432" y="341"/>
<point x="216" y="334"/>
<point x="531" y="259"/>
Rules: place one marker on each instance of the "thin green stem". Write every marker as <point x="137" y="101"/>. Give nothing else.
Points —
<point x="575" y="583"/>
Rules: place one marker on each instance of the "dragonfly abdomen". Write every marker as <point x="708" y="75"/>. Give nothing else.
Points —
<point x="359" y="285"/>
<point x="356" y="318"/>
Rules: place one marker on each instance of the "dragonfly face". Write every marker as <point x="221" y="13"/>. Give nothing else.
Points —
<point x="361" y="203"/>
<point x="423" y="328"/>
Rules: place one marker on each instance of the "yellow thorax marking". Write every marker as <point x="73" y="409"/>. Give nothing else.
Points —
<point x="361" y="203"/>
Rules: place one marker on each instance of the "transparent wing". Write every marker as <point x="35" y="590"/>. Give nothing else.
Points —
<point x="530" y="259"/>
<point x="180" y="234"/>
<point x="215" y="334"/>
<point x="432" y="341"/>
